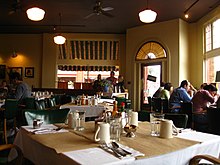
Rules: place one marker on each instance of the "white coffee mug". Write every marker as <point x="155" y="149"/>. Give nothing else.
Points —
<point x="167" y="129"/>
<point x="102" y="133"/>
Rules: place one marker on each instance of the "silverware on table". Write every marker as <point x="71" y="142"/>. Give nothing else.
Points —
<point x="120" y="150"/>
<point x="110" y="150"/>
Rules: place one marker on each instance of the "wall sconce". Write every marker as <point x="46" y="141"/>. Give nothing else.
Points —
<point x="35" y="14"/>
<point x="14" y="54"/>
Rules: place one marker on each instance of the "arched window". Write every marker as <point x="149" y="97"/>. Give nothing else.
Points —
<point x="151" y="50"/>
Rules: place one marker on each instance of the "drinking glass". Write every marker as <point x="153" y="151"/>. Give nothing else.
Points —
<point x="155" y="119"/>
<point x="115" y="129"/>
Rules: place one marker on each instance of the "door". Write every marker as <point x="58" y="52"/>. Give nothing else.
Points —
<point x="151" y="77"/>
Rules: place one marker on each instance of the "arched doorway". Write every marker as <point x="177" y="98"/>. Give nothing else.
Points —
<point x="153" y="59"/>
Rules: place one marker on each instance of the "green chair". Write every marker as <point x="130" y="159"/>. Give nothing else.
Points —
<point x="48" y="116"/>
<point x="40" y="104"/>
<point x="29" y="103"/>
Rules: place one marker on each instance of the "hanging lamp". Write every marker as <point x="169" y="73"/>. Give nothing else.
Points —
<point x="59" y="39"/>
<point x="35" y="14"/>
<point x="147" y="16"/>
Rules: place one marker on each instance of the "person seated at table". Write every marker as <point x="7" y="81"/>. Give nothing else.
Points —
<point x="165" y="93"/>
<point x="120" y="84"/>
<point x="3" y="89"/>
<point x="201" y="101"/>
<point x="22" y="89"/>
<point x="97" y="85"/>
<point x="158" y="91"/>
<point x="180" y="94"/>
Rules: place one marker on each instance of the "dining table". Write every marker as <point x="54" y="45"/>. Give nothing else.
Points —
<point x="68" y="146"/>
<point x="91" y="110"/>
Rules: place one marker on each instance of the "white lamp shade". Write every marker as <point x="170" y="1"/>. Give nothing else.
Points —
<point x="35" y="14"/>
<point x="147" y="16"/>
<point x="59" y="39"/>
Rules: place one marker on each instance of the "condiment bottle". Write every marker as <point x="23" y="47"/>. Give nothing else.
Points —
<point x="115" y="108"/>
<point x="70" y="120"/>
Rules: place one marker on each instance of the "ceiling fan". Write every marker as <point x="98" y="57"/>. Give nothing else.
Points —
<point x="99" y="10"/>
<point x="16" y="6"/>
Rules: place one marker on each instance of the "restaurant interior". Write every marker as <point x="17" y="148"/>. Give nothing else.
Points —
<point x="180" y="41"/>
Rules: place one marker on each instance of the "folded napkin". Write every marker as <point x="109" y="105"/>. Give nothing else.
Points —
<point x="45" y="129"/>
<point x="96" y="156"/>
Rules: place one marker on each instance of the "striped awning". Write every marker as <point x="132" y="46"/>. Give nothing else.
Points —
<point x="87" y="68"/>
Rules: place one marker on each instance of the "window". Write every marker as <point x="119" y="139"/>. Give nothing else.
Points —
<point x="212" y="50"/>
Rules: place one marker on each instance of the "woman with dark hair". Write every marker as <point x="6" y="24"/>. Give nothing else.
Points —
<point x="201" y="101"/>
<point x="165" y="93"/>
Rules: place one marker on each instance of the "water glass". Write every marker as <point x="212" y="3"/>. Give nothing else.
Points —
<point x="115" y="129"/>
<point x="155" y="119"/>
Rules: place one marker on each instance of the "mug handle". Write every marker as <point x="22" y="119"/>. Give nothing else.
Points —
<point x="175" y="130"/>
<point x="96" y="134"/>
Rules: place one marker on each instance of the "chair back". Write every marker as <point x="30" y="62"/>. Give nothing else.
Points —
<point x="143" y="116"/>
<point x="213" y="115"/>
<point x="159" y="105"/>
<point x="11" y="108"/>
<point x="29" y="103"/>
<point x="187" y="108"/>
<point x="40" y="104"/>
<point x="48" y="116"/>
<point x="179" y="120"/>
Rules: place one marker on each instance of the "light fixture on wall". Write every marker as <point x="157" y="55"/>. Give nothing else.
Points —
<point x="59" y="39"/>
<point x="14" y="54"/>
<point x="147" y="16"/>
<point x="35" y="14"/>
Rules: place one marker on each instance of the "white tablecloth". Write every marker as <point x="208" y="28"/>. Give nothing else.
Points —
<point x="209" y="144"/>
<point x="90" y="111"/>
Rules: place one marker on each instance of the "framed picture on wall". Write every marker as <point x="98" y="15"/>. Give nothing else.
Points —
<point x="2" y="71"/>
<point x="15" y="69"/>
<point x="29" y="72"/>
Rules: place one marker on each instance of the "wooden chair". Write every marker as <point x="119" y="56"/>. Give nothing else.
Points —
<point x="18" y="160"/>
<point x="87" y="86"/>
<point x="48" y="116"/>
<point x="10" y="114"/>
<point x="196" y="159"/>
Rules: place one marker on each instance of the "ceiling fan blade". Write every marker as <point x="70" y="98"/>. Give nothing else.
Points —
<point x="107" y="9"/>
<point x="107" y="14"/>
<point x="88" y="16"/>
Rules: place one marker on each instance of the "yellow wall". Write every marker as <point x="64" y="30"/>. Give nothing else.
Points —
<point x="166" y="33"/>
<point x="29" y="50"/>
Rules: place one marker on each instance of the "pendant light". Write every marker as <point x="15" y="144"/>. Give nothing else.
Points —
<point x="59" y="39"/>
<point x="35" y="14"/>
<point x="147" y="16"/>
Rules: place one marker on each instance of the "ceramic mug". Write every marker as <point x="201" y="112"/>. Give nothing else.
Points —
<point x="102" y="133"/>
<point x="167" y="129"/>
